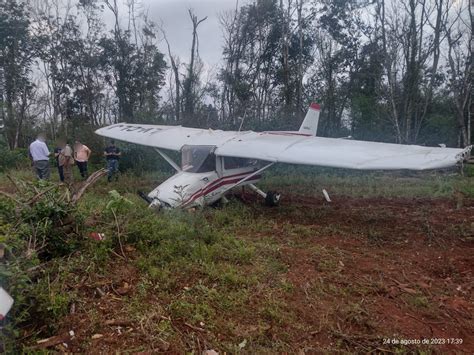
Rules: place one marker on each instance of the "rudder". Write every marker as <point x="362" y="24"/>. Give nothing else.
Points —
<point x="311" y="120"/>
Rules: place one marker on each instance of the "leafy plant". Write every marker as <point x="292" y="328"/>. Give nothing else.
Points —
<point x="117" y="201"/>
<point x="37" y="224"/>
<point x="12" y="158"/>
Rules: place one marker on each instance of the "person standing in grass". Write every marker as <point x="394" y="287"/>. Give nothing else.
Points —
<point x="39" y="154"/>
<point x="81" y="155"/>
<point x="57" y="150"/>
<point x="66" y="161"/>
<point x="112" y="153"/>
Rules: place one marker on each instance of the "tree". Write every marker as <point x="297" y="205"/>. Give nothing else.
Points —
<point x="192" y="77"/>
<point x="16" y="56"/>
<point x="266" y="43"/>
<point x="338" y="36"/>
<point x="137" y="69"/>
<point x="410" y="33"/>
<point x="459" y="34"/>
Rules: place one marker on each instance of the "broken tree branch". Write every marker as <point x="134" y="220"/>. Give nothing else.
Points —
<point x="90" y="181"/>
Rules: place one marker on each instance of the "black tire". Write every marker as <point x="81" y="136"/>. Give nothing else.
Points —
<point x="145" y="197"/>
<point x="272" y="199"/>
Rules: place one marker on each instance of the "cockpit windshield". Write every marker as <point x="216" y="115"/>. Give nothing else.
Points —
<point x="198" y="158"/>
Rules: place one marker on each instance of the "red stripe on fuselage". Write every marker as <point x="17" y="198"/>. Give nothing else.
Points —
<point x="218" y="183"/>
<point x="242" y="175"/>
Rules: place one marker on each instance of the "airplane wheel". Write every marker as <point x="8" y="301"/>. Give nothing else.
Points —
<point x="272" y="199"/>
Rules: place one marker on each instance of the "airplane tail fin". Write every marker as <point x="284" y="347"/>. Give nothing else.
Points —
<point x="310" y="122"/>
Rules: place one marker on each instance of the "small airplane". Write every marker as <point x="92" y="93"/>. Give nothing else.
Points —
<point x="213" y="161"/>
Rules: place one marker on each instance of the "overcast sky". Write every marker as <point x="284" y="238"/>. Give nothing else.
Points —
<point x="173" y="15"/>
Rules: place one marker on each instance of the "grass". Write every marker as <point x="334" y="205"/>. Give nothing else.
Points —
<point x="310" y="181"/>
<point x="239" y="278"/>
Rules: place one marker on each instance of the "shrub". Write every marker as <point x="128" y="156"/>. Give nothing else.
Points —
<point x="13" y="158"/>
<point x="16" y="280"/>
<point x="37" y="224"/>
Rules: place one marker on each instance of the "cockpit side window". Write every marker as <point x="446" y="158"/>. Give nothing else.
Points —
<point x="198" y="158"/>
<point x="236" y="163"/>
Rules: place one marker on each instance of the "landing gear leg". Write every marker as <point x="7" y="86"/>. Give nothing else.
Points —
<point x="272" y="198"/>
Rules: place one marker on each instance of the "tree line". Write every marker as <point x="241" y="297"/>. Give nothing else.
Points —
<point x="395" y="71"/>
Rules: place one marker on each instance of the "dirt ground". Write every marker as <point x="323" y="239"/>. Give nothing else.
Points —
<point x="361" y="274"/>
<point x="408" y="254"/>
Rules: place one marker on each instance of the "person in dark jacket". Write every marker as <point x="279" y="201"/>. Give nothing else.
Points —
<point x="57" y="151"/>
<point x="112" y="154"/>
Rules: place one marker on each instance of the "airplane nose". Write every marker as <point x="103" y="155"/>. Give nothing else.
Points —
<point x="163" y="204"/>
<point x="158" y="199"/>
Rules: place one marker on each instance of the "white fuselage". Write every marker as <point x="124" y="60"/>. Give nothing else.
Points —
<point x="188" y="189"/>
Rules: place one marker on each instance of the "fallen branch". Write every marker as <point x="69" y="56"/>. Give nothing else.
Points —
<point x="11" y="197"/>
<point x="194" y="327"/>
<point x="118" y="323"/>
<point x="13" y="183"/>
<point x="35" y="198"/>
<point x="52" y="341"/>
<point x="93" y="178"/>
<point x="424" y="321"/>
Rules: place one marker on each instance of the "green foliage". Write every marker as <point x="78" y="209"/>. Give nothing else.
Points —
<point x="47" y="218"/>
<point x="139" y="70"/>
<point x="16" y="46"/>
<point x="440" y="127"/>
<point x="37" y="225"/>
<point x="12" y="159"/>
<point x="117" y="202"/>
<point x="176" y="238"/>
<point x="469" y="170"/>
<point x="222" y="267"/>
<point x="15" y="278"/>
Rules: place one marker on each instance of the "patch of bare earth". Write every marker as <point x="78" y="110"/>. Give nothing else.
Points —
<point x="396" y="269"/>
<point x="359" y="270"/>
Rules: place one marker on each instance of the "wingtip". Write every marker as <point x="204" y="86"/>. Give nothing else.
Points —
<point x="465" y="154"/>
<point x="315" y="106"/>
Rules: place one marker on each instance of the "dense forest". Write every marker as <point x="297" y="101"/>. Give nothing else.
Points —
<point x="395" y="71"/>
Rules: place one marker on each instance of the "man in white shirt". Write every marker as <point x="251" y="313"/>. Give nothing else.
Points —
<point x="39" y="153"/>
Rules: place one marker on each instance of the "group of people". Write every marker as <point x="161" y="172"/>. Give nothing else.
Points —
<point x="66" y="157"/>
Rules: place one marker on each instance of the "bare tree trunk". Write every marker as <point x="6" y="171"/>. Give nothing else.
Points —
<point x="191" y="79"/>
<point x="388" y="63"/>
<point x="434" y="67"/>
<point x="285" y="28"/>
<point x="177" y="81"/>
<point x="299" y="69"/>
<point x="411" y="77"/>
<point x="21" y="117"/>
<point x="461" y="70"/>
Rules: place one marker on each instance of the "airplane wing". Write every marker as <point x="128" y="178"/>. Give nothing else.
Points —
<point x="291" y="147"/>
<point x="165" y="137"/>
<point x="339" y="153"/>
